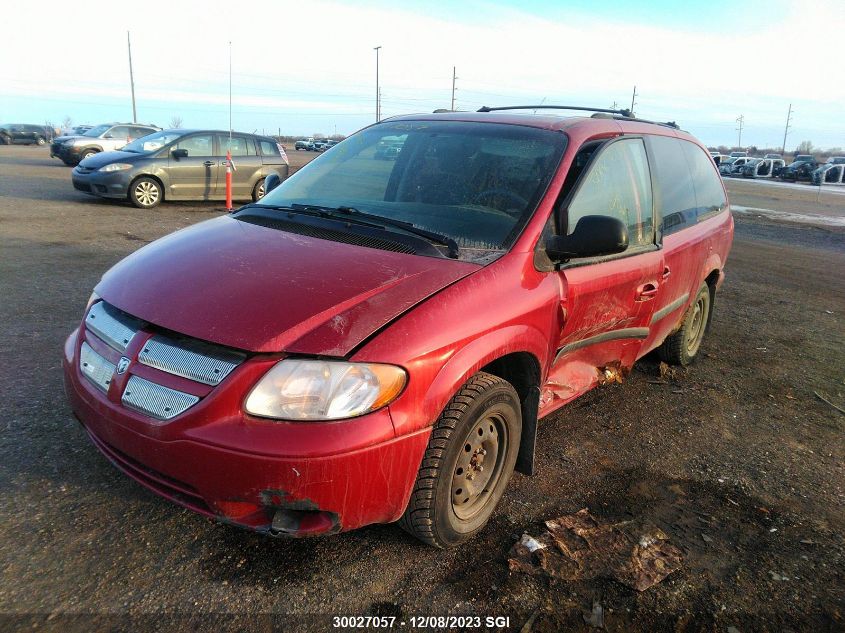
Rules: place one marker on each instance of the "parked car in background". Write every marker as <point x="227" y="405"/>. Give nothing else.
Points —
<point x="738" y="154"/>
<point x="304" y="144"/>
<point x="77" y="130"/>
<point x="799" y="170"/>
<point x="830" y="173"/>
<point x="23" y="134"/>
<point x="804" y="158"/>
<point x="388" y="149"/>
<point x="762" y="168"/>
<point x="375" y="341"/>
<point x="717" y="157"/>
<point x="101" y="138"/>
<point x="772" y="156"/>
<point x="182" y="165"/>
<point x="733" y="165"/>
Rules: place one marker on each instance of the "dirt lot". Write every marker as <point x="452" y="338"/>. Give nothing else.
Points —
<point x="737" y="449"/>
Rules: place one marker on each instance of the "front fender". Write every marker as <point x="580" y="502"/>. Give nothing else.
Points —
<point x="430" y="390"/>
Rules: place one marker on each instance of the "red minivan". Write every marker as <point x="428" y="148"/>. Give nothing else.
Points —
<point x="376" y="339"/>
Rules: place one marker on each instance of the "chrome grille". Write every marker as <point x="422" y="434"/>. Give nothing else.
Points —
<point x="193" y="361"/>
<point x="114" y="328"/>
<point x="155" y="400"/>
<point x="95" y="368"/>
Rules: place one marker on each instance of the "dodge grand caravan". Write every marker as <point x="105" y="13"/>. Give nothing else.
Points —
<point x="377" y="341"/>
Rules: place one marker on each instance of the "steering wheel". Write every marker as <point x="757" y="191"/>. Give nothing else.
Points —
<point x="503" y="192"/>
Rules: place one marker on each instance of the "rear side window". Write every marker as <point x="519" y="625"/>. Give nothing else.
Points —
<point x="240" y="146"/>
<point x="618" y="184"/>
<point x="120" y="131"/>
<point x="269" y="149"/>
<point x="674" y="192"/>
<point x="709" y="195"/>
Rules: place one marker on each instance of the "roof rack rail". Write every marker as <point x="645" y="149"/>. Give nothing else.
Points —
<point x="625" y="113"/>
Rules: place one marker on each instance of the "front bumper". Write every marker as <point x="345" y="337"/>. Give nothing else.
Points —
<point x="280" y="478"/>
<point x="104" y="184"/>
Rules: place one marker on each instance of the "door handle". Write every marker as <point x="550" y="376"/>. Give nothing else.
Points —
<point x="666" y="272"/>
<point x="647" y="291"/>
<point x="209" y="163"/>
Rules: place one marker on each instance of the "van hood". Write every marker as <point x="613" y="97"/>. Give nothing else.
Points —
<point x="101" y="159"/>
<point x="265" y="290"/>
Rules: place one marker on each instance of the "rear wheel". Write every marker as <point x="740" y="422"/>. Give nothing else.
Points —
<point x="681" y="347"/>
<point x="40" y="140"/>
<point x="88" y="153"/>
<point x="145" y="193"/>
<point x="467" y="464"/>
<point x="258" y="191"/>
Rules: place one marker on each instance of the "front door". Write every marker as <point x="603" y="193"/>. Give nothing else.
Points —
<point x="606" y="303"/>
<point x="194" y="177"/>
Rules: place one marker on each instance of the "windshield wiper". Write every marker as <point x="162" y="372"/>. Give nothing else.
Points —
<point x="346" y="212"/>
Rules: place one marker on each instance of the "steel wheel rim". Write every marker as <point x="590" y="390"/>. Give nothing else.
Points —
<point x="479" y="466"/>
<point x="146" y="193"/>
<point x="696" y="330"/>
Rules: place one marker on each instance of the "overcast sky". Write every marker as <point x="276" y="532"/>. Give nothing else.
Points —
<point x="308" y="67"/>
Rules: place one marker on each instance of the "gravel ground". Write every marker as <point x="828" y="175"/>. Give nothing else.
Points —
<point x="737" y="449"/>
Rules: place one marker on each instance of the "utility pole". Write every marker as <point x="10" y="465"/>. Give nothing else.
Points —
<point x="633" y="100"/>
<point x="230" y="93"/>
<point x="741" y="120"/>
<point x="131" y="78"/>
<point x="454" y="77"/>
<point x="786" y="130"/>
<point x="378" y="90"/>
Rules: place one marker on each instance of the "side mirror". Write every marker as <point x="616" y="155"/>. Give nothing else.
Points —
<point x="594" y="235"/>
<point x="179" y="153"/>
<point x="272" y="181"/>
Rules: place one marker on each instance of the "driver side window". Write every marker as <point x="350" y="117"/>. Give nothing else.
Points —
<point x="618" y="184"/>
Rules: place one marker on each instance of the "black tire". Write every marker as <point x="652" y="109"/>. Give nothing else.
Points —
<point x="483" y="418"/>
<point x="40" y="141"/>
<point x="88" y="153"/>
<point x="146" y="193"/>
<point x="681" y="347"/>
<point x="258" y="190"/>
<point x="7" y="140"/>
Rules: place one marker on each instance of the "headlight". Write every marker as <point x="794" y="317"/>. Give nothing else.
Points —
<point x="324" y="390"/>
<point x="116" y="167"/>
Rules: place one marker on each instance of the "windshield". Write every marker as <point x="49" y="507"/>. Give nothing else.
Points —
<point x="96" y="131"/>
<point x="152" y="142"/>
<point x="477" y="183"/>
<point x="729" y="161"/>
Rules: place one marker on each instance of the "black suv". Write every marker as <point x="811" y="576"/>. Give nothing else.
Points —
<point x="23" y="134"/>
<point x="182" y="165"/>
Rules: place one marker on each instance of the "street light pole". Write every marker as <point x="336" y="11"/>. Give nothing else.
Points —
<point x="378" y="92"/>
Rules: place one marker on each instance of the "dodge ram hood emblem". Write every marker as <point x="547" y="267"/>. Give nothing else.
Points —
<point x="122" y="365"/>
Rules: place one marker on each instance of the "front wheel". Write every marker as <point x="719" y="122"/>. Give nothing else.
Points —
<point x="40" y="140"/>
<point x="88" y="153"/>
<point x="145" y="193"/>
<point x="467" y="465"/>
<point x="681" y="347"/>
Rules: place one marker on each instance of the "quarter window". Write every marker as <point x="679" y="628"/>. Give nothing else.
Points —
<point x="618" y="184"/>
<point x="269" y="149"/>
